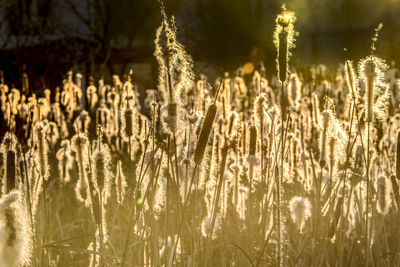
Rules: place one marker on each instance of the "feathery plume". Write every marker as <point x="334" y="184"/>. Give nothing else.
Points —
<point x="284" y="37"/>
<point x="300" y="211"/>
<point x="42" y="148"/>
<point x="15" y="231"/>
<point x="371" y="73"/>
<point x="383" y="196"/>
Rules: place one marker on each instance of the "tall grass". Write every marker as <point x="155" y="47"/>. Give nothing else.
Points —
<point x="300" y="170"/>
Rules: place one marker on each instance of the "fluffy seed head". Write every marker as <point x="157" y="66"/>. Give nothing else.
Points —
<point x="100" y="169"/>
<point x="284" y="40"/>
<point x="384" y="190"/>
<point x="300" y="211"/>
<point x="15" y="231"/>
<point x="371" y="73"/>
<point x="42" y="148"/>
<point x="128" y="122"/>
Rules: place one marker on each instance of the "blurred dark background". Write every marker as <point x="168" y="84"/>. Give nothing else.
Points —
<point x="46" y="38"/>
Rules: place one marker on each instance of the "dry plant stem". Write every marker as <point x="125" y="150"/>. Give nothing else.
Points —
<point x="264" y="246"/>
<point x="185" y="206"/>
<point x="280" y="177"/>
<point x="367" y="200"/>
<point x="218" y="193"/>
<point x="44" y="234"/>
<point x="176" y="162"/>
<point x="101" y="233"/>
<point x="131" y="215"/>
<point x="29" y="204"/>
<point x="167" y="200"/>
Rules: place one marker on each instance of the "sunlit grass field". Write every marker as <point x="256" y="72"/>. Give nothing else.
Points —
<point x="298" y="170"/>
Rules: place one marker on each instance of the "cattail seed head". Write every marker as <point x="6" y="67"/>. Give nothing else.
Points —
<point x="333" y="138"/>
<point x="371" y="72"/>
<point x="100" y="169"/>
<point x="284" y="40"/>
<point x="42" y="148"/>
<point x="204" y="134"/>
<point x="171" y="117"/>
<point x="79" y="145"/>
<point x="128" y="123"/>
<point x="282" y="56"/>
<point x="325" y="122"/>
<point x="253" y="140"/>
<point x="10" y="160"/>
<point x="370" y="83"/>
<point x="10" y="171"/>
<point x="129" y="115"/>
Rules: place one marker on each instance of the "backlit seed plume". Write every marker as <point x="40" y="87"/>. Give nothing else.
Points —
<point x="100" y="170"/>
<point x="64" y="158"/>
<point x="351" y="79"/>
<point x="15" y="231"/>
<point x="284" y="37"/>
<point x="120" y="183"/>
<point x="252" y="158"/>
<point x="175" y="72"/>
<point x="8" y="149"/>
<point x="331" y="129"/>
<point x="371" y="72"/>
<point x="79" y="145"/>
<point x="259" y="109"/>
<point x="384" y="190"/>
<point x="300" y="211"/>
<point x="129" y="115"/>
<point x="41" y="156"/>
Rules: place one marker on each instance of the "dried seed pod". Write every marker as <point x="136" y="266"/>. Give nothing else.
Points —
<point x="204" y="134"/>
<point x="10" y="171"/>
<point x="253" y="140"/>
<point x="370" y="83"/>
